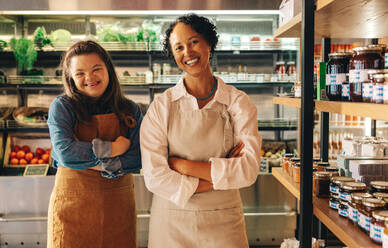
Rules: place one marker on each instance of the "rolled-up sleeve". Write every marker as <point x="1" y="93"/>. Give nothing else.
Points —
<point x="235" y="173"/>
<point x="159" y="178"/>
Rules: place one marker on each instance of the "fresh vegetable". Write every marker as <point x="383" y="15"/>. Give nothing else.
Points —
<point x="3" y="44"/>
<point x="25" y="53"/>
<point x="40" y="38"/>
<point x="60" y="35"/>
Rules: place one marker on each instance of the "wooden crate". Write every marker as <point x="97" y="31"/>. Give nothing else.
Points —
<point x="33" y="140"/>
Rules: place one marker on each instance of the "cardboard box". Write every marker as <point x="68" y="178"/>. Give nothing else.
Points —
<point x="288" y="9"/>
<point x="33" y="140"/>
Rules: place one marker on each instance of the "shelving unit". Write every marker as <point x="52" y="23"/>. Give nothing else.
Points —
<point x="343" y="19"/>
<point x="349" y="234"/>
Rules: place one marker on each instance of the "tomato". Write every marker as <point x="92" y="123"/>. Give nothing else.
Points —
<point x="29" y="156"/>
<point x="12" y="155"/>
<point x="23" y="161"/>
<point x="40" y="161"/>
<point x="39" y="151"/>
<point x="45" y="157"/>
<point x="26" y="149"/>
<point x="14" y="161"/>
<point x="16" y="148"/>
<point x="34" y="161"/>
<point x="20" y="154"/>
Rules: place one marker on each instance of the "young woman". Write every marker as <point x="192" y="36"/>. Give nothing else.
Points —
<point x="200" y="144"/>
<point x="94" y="132"/>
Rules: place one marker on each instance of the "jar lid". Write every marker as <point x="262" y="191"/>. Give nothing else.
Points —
<point x="360" y="195"/>
<point x="373" y="202"/>
<point x="323" y="174"/>
<point x="353" y="185"/>
<point x="291" y="63"/>
<point x="341" y="179"/>
<point x="340" y="55"/>
<point x="288" y="155"/>
<point x="367" y="49"/>
<point x="295" y="159"/>
<point x="379" y="184"/>
<point x="380" y="215"/>
<point x="378" y="76"/>
<point x="380" y="195"/>
<point x="334" y="195"/>
<point x="323" y="164"/>
<point x="375" y="71"/>
<point x="331" y="168"/>
<point x="297" y="165"/>
<point x="343" y="202"/>
<point x="316" y="159"/>
<point x="280" y="63"/>
<point x="315" y="169"/>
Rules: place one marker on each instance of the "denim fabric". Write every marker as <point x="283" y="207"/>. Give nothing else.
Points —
<point x="69" y="152"/>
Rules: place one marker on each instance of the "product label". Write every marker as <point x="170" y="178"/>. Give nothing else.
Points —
<point x="343" y="212"/>
<point x="386" y="60"/>
<point x="353" y="214"/>
<point x="345" y="196"/>
<point x="367" y="90"/>
<point x="385" y="240"/>
<point x="385" y="93"/>
<point x="376" y="233"/>
<point x="378" y="91"/>
<point x="333" y="205"/>
<point x="364" y="222"/>
<point x="334" y="189"/>
<point x="335" y="79"/>
<point x="358" y="75"/>
<point x="345" y="91"/>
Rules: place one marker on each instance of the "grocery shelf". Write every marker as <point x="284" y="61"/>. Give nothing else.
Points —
<point x="349" y="234"/>
<point x="287" y="182"/>
<point x="277" y="128"/>
<point x="343" y="19"/>
<point x="371" y="110"/>
<point x="288" y="101"/>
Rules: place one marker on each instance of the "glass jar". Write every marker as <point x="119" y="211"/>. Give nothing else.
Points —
<point x="345" y="91"/>
<point x="383" y="48"/>
<point x="365" y="212"/>
<point x="334" y="201"/>
<point x="157" y="69"/>
<point x="347" y="188"/>
<point x="321" y="184"/>
<point x="380" y="195"/>
<point x="166" y="69"/>
<point x="322" y="165"/>
<point x="378" y="88"/>
<point x="291" y="165"/>
<point x="343" y="208"/>
<point x="355" y="205"/>
<point x="335" y="183"/>
<point x="291" y="70"/>
<point x="365" y="59"/>
<point x="385" y="89"/>
<point x="296" y="173"/>
<point x="334" y="171"/>
<point x="336" y="70"/>
<point x="377" y="225"/>
<point x="280" y="70"/>
<point x="379" y="186"/>
<point x="286" y="160"/>
<point x="385" y="236"/>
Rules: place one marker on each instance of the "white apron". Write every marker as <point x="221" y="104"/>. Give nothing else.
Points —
<point x="211" y="219"/>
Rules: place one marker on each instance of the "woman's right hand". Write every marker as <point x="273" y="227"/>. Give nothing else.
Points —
<point x="235" y="152"/>
<point x="120" y="145"/>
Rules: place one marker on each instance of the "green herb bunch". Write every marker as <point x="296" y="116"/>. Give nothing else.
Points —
<point x="25" y="53"/>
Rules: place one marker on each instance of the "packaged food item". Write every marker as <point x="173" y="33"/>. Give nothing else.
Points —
<point x="355" y="205"/>
<point x="385" y="88"/>
<point x="334" y="201"/>
<point x="166" y="69"/>
<point x="321" y="183"/>
<point x="157" y="69"/>
<point x="378" y="88"/>
<point x="379" y="186"/>
<point x="336" y="70"/>
<point x="296" y="172"/>
<point x="280" y="71"/>
<point x="286" y="160"/>
<point x="335" y="183"/>
<point x="291" y="165"/>
<point x="366" y="58"/>
<point x="367" y="86"/>
<point x="365" y="212"/>
<point x="322" y="165"/>
<point x="343" y="208"/>
<point x="334" y="171"/>
<point x="348" y="188"/>
<point x="377" y="225"/>
<point x="291" y="71"/>
<point x="345" y="91"/>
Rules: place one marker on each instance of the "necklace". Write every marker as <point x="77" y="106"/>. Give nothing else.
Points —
<point x="211" y="92"/>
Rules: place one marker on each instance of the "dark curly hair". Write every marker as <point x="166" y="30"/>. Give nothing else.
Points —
<point x="200" y="24"/>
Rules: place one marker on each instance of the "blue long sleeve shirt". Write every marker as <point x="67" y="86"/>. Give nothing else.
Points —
<point x="81" y="155"/>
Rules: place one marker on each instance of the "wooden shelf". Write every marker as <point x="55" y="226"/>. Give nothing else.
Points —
<point x="288" y="101"/>
<point x="371" y="110"/>
<point x="350" y="235"/>
<point x="287" y="182"/>
<point x="343" y="19"/>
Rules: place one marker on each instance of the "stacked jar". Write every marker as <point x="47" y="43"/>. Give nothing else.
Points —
<point x="365" y="212"/>
<point x="286" y="161"/>
<point x="366" y="58"/>
<point x="377" y="226"/>
<point x="345" y="191"/>
<point x="336" y="70"/>
<point x="355" y="205"/>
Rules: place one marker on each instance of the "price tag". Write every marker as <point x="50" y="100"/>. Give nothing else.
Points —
<point x="36" y="170"/>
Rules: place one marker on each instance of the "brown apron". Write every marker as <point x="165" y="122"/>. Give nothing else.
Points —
<point x="88" y="210"/>
<point x="210" y="219"/>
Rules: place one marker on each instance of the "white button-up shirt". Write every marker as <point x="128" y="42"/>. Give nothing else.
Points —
<point x="226" y="173"/>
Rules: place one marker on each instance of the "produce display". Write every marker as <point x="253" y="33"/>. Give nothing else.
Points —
<point x="23" y="155"/>
<point x="40" y="38"/>
<point x="31" y="116"/>
<point x="25" y="53"/>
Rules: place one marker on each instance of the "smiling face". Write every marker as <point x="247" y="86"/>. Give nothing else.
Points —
<point x="90" y="74"/>
<point x="190" y="50"/>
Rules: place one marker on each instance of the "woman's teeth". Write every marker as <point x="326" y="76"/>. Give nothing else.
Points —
<point x="190" y="62"/>
<point x="92" y="84"/>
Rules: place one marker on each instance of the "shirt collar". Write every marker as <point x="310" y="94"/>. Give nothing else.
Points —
<point x="221" y="94"/>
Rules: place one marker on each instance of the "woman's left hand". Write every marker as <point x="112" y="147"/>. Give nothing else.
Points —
<point x="177" y="164"/>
